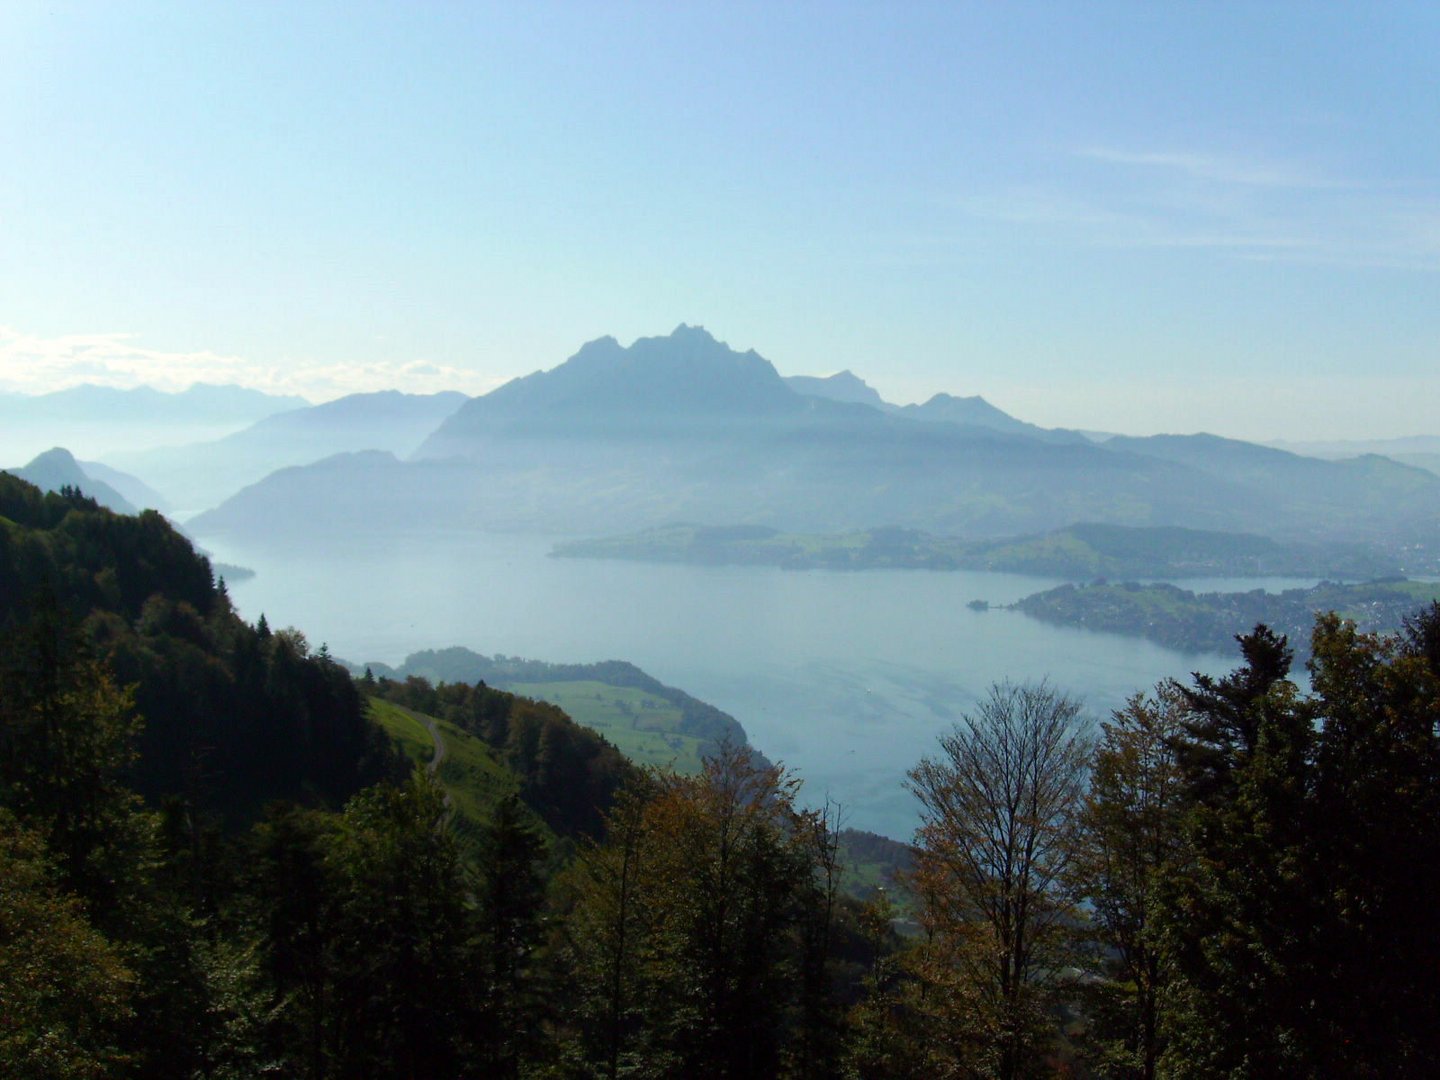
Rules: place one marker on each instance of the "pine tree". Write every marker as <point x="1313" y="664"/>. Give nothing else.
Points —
<point x="508" y="930"/>
<point x="397" y="951"/>
<point x="1240" y="909"/>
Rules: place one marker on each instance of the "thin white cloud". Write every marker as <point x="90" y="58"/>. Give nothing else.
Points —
<point x="1218" y="169"/>
<point x="1249" y="210"/>
<point x="34" y="364"/>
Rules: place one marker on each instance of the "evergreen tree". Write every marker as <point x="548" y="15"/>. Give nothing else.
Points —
<point x="508" y="930"/>
<point x="1376" y="847"/>
<point x="604" y="936"/>
<point x="701" y="899"/>
<point x="396" y="950"/>
<point x="67" y="736"/>
<point x="1242" y="907"/>
<point x="294" y="897"/>
<point x="889" y="1039"/>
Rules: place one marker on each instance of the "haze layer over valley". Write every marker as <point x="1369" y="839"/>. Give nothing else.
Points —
<point x="682" y="428"/>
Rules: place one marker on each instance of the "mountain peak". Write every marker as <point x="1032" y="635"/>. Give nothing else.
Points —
<point x="686" y="379"/>
<point x="844" y="386"/>
<point x="974" y="401"/>
<point x="57" y="468"/>
<point x="685" y="330"/>
<point x="56" y="457"/>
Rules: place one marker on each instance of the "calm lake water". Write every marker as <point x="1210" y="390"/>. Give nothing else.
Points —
<point x="846" y="677"/>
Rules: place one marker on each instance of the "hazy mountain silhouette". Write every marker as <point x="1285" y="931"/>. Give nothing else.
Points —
<point x="683" y="385"/>
<point x="1370" y="483"/>
<point x="201" y="403"/>
<point x="96" y="421"/>
<point x="942" y="408"/>
<point x="976" y="410"/>
<point x="685" y="428"/>
<point x="132" y="488"/>
<point x="844" y="386"/>
<point x="57" y="468"/>
<point x="204" y="474"/>
<point x="1419" y="450"/>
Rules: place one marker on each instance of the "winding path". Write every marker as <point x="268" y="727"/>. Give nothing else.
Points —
<point x="436" y="760"/>
<point x="438" y="757"/>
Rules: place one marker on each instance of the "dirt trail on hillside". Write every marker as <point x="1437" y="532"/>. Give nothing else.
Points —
<point x="437" y="759"/>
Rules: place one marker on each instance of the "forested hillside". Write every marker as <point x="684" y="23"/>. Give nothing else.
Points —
<point x="566" y="773"/>
<point x="235" y="715"/>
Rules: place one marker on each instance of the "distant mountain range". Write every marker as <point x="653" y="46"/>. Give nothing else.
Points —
<point x="684" y="428"/>
<point x="1419" y="450"/>
<point x="203" y="474"/>
<point x="974" y="411"/>
<point x="97" y="420"/>
<point x="201" y="403"/>
<point x="845" y="386"/>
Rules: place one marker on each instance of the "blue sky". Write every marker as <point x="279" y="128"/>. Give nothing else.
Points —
<point x="1130" y="217"/>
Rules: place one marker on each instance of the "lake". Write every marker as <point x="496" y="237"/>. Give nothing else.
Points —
<point x="846" y="677"/>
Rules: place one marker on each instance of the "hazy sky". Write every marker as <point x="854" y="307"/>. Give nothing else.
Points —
<point x="1133" y="217"/>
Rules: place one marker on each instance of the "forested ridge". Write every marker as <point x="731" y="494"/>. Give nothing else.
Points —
<point x="212" y="864"/>
<point x="1080" y="551"/>
<point x="1206" y="622"/>
<point x="235" y="715"/>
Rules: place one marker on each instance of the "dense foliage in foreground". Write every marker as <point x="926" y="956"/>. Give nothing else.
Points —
<point x="1243" y="890"/>
<point x="1232" y="879"/>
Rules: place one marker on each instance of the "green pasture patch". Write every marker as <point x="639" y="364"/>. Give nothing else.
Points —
<point x="643" y="727"/>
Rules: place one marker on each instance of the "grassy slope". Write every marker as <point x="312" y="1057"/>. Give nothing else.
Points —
<point x="863" y="878"/>
<point x="471" y="774"/>
<point x="873" y="862"/>
<point x="405" y="728"/>
<point x="640" y="724"/>
<point x="644" y="728"/>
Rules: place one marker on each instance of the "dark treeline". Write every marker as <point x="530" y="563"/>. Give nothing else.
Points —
<point x="1229" y="878"/>
<point x="235" y="715"/>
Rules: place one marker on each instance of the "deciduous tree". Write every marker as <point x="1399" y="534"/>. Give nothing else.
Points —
<point x="1129" y="839"/>
<point x="998" y="811"/>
